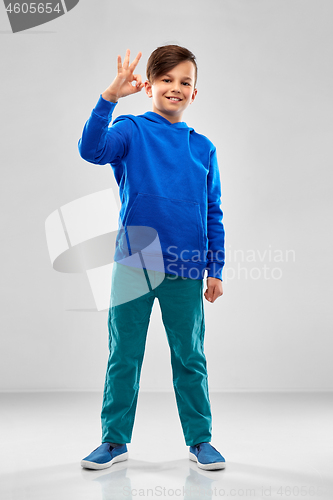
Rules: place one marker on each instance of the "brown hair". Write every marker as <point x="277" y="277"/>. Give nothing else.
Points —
<point x="167" y="57"/>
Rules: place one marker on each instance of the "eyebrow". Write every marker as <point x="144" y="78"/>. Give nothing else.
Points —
<point x="185" y="78"/>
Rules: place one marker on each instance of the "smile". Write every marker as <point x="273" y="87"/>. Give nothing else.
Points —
<point x="176" y="99"/>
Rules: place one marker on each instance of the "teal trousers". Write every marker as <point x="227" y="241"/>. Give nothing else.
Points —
<point x="133" y="291"/>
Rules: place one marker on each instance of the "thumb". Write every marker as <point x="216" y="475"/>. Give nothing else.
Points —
<point x="139" y="84"/>
<point x="209" y="294"/>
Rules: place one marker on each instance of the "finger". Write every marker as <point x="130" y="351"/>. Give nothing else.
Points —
<point x="119" y="64"/>
<point x="139" y="86"/>
<point x="215" y="294"/>
<point x="210" y="293"/>
<point x="126" y="60"/>
<point x="138" y="79"/>
<point x="135" y="62"/>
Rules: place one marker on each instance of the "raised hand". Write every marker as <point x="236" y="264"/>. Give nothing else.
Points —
<point x="122" y="84"/>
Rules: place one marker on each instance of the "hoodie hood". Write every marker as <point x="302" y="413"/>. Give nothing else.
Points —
<point x="155" y="117"/>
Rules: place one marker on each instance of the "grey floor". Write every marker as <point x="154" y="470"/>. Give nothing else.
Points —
<point x="276" y="445"/>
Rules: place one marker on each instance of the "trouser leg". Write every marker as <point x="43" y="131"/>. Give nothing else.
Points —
<point x="181" y="302"/>
<point x="128" y="319"/>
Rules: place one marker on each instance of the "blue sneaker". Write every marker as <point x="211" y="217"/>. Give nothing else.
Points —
<point x="104" y="456"/>
<point x="206" y="456"/>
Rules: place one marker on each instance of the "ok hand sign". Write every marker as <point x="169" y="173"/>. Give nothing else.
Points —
<point x="122" y="84"/>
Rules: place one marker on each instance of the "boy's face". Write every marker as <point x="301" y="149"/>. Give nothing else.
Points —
<point x="177" y="82"/>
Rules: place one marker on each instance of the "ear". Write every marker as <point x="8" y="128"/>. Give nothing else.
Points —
<point x="194" y="93"/>
<point x="148" y="88"/>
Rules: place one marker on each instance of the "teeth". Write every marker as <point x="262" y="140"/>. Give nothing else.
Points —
<point x="173" y="99"/>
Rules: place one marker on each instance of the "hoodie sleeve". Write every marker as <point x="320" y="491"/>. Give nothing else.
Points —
<point x="101" y="144"/>
<point x="215" y="227"/>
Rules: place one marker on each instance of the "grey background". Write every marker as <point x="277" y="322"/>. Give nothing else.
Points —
<point x="264" y="99"/>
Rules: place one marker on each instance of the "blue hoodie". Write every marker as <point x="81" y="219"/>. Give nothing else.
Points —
<point x="170" y="189"/>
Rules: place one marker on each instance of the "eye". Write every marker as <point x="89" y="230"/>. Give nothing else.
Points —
<point x="168" y="80"/>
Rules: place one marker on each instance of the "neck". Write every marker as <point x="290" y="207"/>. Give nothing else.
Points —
<point x="171" y="118"/>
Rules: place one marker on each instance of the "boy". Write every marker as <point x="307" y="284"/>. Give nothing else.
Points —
<point x="170" y="232"/>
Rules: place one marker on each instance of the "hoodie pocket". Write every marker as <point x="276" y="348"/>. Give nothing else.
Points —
<point x="178" y="224"/>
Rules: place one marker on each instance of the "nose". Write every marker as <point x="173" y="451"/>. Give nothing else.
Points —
<point x="176" y="87"/>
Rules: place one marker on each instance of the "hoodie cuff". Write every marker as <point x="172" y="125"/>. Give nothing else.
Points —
<point x="104" y="108"/>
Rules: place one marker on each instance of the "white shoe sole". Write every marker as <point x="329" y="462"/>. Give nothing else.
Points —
<point x="213" y="466"/>
<point x="96" y="466"/>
